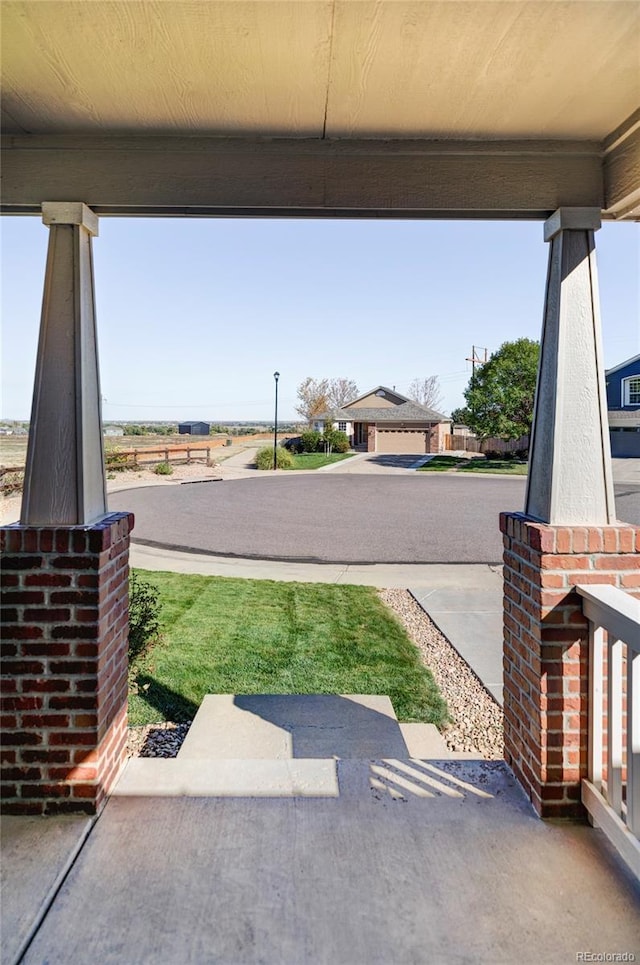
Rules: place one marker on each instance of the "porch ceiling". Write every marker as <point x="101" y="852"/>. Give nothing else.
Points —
<point x="533" y="78"/>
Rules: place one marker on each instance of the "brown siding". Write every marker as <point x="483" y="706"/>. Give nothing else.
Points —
<point x="373" y="401"/>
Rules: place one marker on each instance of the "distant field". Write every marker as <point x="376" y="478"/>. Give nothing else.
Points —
<point x="13" y="450"/>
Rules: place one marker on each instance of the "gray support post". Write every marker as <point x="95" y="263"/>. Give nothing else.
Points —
<point x="570" y="480"/>
<point x="64" y="476"/>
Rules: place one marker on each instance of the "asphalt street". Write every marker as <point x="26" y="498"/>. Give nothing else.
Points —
<point x="417" y="518"/>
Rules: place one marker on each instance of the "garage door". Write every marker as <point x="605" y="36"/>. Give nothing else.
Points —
<point x="402" y="440"/>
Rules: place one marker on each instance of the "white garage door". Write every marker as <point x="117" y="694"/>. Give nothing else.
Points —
<point x="402" y="440"/>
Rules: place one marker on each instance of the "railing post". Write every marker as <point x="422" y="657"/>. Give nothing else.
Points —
<point x="596" y="658"/>
<point x="633" y="742"/>
<point x="614" y="724"/>
<point x="611" y="611"/>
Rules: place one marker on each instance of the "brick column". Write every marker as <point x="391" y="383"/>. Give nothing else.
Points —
<point x="372" y="435"/>
<point x="64" y="664"/>
<point x="546" y="649"/>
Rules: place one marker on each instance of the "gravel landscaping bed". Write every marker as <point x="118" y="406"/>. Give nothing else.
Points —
<point x="476" y="718"/>
<point x="156" y="740"/>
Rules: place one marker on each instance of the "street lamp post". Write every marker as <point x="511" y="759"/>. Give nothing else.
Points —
<point x="276" y="376"/>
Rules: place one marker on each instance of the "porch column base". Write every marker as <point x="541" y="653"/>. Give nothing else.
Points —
<point x="64" y="664"/>
<point x="546" y="649"/>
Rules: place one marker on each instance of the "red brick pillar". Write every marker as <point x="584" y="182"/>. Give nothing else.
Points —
<point x="546" y="649"/>
<point x="372" y="435"/>
<point x="64" y="664"/>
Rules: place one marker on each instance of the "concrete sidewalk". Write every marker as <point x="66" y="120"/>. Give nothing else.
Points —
<point x="471" y="619"/>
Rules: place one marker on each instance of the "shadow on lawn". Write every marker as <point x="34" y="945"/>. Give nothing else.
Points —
<point x="171" y="705"/>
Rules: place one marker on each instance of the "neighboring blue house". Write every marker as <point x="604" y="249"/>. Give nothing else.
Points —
<point x="623" y="403"/>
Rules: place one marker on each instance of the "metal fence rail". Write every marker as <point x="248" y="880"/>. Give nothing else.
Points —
<point x="611" y="793"/>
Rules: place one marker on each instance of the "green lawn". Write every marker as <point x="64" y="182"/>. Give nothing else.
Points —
<point x="315" y="460"/>
<point x="235" y="636"/>
<point x="509" y="467"/>
<point x="441" y="464"/>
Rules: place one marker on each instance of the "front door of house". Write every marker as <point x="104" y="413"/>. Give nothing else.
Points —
<point x="360" y="433"/>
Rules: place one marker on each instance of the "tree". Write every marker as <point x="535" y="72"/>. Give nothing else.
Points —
<point x="460" y="417"/>
<point x="316" y="396"/>
<point x="426" y="391"/>
<point x="313" y="398"/>
<point x="341" y="392"/>
<point x="500" y="394"/>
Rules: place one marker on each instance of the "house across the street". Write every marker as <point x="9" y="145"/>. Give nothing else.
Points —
<point x="623" y="404"/>
<point x="194" y="428"/>
<point x="383" y="420"/>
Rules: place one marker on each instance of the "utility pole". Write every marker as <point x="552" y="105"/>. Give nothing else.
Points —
<point x="476" y="360"/>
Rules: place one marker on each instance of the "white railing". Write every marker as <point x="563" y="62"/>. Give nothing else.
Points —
<point x="614" y="804"/>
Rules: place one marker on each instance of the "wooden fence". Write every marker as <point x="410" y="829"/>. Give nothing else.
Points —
<point x="464" y="443"/>
<point x="133" y="458"/>
<point x="11" y="479"/>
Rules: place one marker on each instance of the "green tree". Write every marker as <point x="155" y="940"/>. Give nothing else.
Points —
<point x="500" y="395"/>
<point x="460" y="417"/>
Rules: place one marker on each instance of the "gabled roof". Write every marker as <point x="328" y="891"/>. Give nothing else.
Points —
<point x="378" y="388"/>
<point x="407" y="412"/>
<point x="622" y="365"/>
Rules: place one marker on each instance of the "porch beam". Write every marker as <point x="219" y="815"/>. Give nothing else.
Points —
<point x="64" y="475"/>
<point x="622" y="170"/>
<point x="217" y="176"/>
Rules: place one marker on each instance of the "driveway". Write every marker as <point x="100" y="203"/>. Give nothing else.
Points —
<point x="240" y="464"/>
<point x="376" y="462"/>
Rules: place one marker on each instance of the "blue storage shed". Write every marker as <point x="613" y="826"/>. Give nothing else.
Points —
<point x="194" y="428"/>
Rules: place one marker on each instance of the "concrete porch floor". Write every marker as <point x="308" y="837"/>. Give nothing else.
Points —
<point x="364" y="877"/>
<point x="345" y="861"/>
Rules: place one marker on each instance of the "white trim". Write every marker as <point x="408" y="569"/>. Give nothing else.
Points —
<point x="613" y="827"/>
<point x="609" y="607"/>
<point x="623" y="365"/>
<point x="625" y="390"/>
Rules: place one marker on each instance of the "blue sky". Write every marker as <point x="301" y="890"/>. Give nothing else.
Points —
<point x="194" y="316"/>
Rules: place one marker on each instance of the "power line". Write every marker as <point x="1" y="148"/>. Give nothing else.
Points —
<point x="474" y="358"/>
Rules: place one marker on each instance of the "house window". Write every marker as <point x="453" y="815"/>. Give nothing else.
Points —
<point x="632" y="391"/>
<point x="342" y="426"/>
